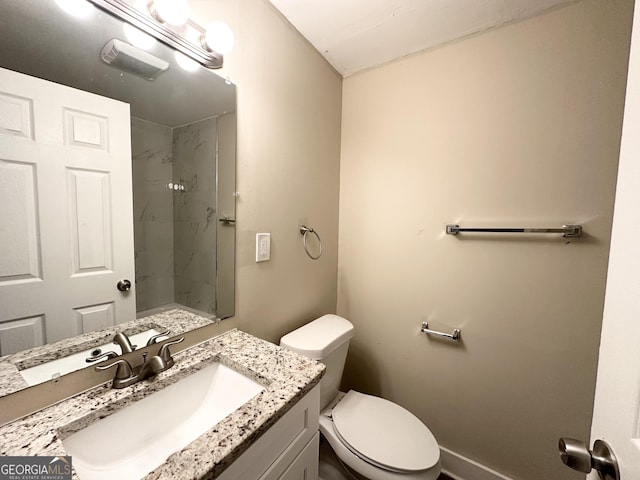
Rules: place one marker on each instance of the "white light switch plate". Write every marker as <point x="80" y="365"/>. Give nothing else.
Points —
<point x="263" y="247"/>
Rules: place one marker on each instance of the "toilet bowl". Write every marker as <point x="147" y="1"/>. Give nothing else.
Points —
<point x="375" y="438"/>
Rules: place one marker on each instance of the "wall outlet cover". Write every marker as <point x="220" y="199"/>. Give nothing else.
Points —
<point x="263" y="247"/>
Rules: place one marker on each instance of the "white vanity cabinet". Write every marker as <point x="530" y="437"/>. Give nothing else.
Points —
<point x="287" y="451"/>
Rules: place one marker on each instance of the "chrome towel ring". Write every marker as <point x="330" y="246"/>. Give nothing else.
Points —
<point x="304" y="230"/>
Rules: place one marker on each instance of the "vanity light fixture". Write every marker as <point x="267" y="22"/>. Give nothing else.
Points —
<point x="76" y="8"/>
<point x="168" y="21"/>
<point x="185" y="62"/>
<point x="137" y="37"/>
<point x="219" y="37"/>
<point x="173" y="12"/>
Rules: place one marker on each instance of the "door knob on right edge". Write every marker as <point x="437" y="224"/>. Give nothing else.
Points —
<point x="576" y="455"/>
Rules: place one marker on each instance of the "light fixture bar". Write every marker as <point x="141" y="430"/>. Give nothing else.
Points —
<point x="164" y="32"/>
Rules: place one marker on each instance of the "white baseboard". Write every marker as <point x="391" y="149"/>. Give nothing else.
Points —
<point x="459" y="467"/>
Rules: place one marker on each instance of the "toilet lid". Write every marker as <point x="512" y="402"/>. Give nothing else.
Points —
<point x="384" y="434"/>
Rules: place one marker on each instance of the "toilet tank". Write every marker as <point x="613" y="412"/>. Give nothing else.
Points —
<point x="325" y="339"/>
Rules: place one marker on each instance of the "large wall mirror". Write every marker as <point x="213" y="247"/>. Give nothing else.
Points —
<point x="180" y="220"/>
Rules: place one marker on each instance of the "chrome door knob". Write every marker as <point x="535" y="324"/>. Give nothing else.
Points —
<point x="575" y="454"/>
<point x="124" y="285"/>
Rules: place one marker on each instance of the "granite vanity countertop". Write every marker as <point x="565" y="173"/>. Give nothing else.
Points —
<point x="177" y="321"/>
<point x="287" y="377"/>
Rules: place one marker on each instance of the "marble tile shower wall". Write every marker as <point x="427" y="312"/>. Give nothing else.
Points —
<point x="175" y="231"/>
<point x="152" y="168"/>
<point x="194" y="215"/>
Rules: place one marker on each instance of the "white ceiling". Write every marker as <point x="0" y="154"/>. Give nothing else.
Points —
<point x="354" y="35"/>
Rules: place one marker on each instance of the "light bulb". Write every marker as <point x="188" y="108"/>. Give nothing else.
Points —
<point x="137" y="37"/>
<point x="186" y="63"/>
<point x="76" y="8"/>
<point x="219" y="37"/>
<point x="174" y="12"/>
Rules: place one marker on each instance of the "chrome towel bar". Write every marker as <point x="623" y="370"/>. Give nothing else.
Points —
<point x="451" y="336"/>
<point x="569" y="231"/>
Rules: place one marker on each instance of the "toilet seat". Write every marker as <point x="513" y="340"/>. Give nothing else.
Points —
<point x="375" y="456"/>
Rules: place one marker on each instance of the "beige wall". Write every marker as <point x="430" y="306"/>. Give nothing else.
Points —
<point x="289" y="112"/>
<point x="516" y="127"/>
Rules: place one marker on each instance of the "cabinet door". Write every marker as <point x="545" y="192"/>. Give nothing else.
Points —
<point x="272" y="453"/>
<point x="305" y="466"/>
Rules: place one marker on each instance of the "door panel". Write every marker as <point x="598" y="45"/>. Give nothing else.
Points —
<point x="16" y="115"/>
<point x="20" y="334"/>
<point x="94" y="317"/>
<point x="84" y="129"/>
<point x="89" y="201"/>
<point x="616" y="417"/>
<point x="66" y="226"/>
<point x="20" y="231"/>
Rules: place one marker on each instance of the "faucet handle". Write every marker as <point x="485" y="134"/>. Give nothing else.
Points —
<point x="124" y="370"/>
<point x="153" y="340"/>
<point x="164" y="352"/>
<point x="99" y="358"/>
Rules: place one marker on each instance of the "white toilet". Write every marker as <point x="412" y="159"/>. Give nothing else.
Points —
<point x="375" y="438"/>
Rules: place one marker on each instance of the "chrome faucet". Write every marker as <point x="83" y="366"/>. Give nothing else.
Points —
<point x="123" y="341"/>
<point x="126" y="375"/>
<point x="151" y="366"/>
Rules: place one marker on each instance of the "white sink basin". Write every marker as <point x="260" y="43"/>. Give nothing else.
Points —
<point x="135" y="440"/>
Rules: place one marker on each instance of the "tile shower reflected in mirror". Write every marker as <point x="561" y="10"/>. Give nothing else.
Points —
<point x="174" y="179"/>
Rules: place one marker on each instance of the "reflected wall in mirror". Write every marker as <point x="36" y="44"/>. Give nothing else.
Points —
<point x="177" y="140"/>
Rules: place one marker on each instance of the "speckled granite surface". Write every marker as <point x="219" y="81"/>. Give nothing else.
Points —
<point x="177" y="321"/>
<point x="285" y="375"/>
